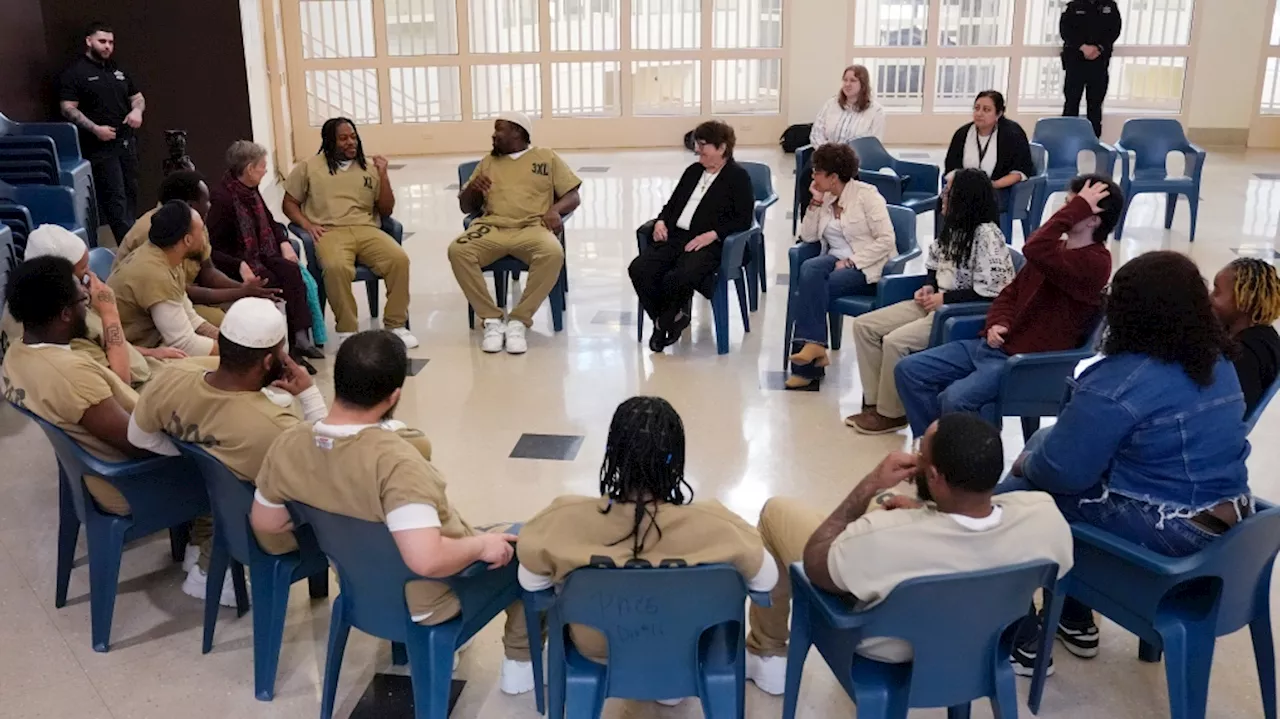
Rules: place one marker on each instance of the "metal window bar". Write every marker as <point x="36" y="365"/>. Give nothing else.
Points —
<point x="585" y="89"/>
<point x="890" y="23"/>
<point x="897" y="82"/>
<point x="666" y="87"/>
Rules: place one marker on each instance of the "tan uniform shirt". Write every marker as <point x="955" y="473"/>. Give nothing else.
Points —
<point x="144" y="280"/>
<point x="525" y="187"/>
<point x="345" y="198"/>
<point x="137" y="237"/>
<point x="573" y="533"/>
<point x="881" y="550"/>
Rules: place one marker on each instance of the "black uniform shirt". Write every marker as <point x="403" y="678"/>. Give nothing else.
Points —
<point x="1089" y="22"/>
<point x="103" y="92"/>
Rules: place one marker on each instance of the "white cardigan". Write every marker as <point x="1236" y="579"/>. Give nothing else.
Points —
<point x="864" y="222"/>
<point x="838" y="125"/>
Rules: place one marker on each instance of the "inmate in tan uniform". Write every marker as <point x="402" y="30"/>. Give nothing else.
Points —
<point x="573" y="533"/>
<point x="524" y="189"/>
<point x="144" y="280"/>
<point x="137" y="237"/>
<point x="344" y="203"/>
<point x="235" y="427"/>
<point x="375" y="474"/>
<point x="93" y="344"/>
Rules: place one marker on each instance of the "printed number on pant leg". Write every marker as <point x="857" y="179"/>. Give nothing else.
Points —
<point x="474" y="234"/>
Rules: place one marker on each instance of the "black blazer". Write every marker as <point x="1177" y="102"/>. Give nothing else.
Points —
<point x="728" y="206"/>
<point x="1013" y="150"/>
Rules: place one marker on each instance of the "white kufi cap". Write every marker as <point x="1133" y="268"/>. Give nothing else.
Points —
<point x="518" y="118"/>
<point x="57" y="241"/>
<point x="255" y="323"/>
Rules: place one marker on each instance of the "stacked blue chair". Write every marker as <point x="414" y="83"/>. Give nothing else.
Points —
<point x="43" y="205"/>
<point x="661" y="645"/>
<point x="765" y="197"/>
<point x="8" y="256"/>
<point x="913" y="185"/>
<point x="509" y="268"/>
<point x="1252" y="418"/>
<point x="364" y="274"/>
<point x="58" y="145"/>
<point x="954" y="662"/>
<point x="100" y="261"/>
<point x="1151" y="140"/>
<point x="732" y="268"/>
<point x="371" y="579"/>
<point x="1180" y="605"/>
<point x="1064" y="138"/>
<point x="272" y="575"/>
<point x="160" y="494"/>
<point x="904" y="231"/>
<point x="1020" y="200"/>
<point x="17" y="219"/>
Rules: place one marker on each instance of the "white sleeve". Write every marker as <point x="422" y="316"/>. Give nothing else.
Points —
<point x="413" y="516"/>
<point x="157" y="442"/>
<point x="531" y="582"/>
<point x="877" y="122"/>
<point x="257" y="497"/>
<point x="176" y="328"/>
<point x="313" y="408"/>
<point x="766" y="578"/>
<point x="818" y="135"/>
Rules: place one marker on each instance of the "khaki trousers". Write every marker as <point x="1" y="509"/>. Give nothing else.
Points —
<point x="482" y="245"/>
<point x="110" y="500"/>
<point x="436" y="600"/>
<point x="785" y="526"/>
<point x="339" y="250"/>
<point x="212" y="315"/>
<point x="881" y="339"/>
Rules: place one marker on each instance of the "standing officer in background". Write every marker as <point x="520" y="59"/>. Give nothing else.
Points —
<point x="107" y="107"/>
<point x="1089" y="30"/>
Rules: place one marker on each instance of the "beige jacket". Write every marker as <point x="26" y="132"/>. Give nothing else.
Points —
<point x="864" y="222"/>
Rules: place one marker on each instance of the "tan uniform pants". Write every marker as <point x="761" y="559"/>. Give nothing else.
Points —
<point x="785" y="526"/>
<point x="482" y="245"/>
<point x="111" y="501"/>
<point x="212" y="315"/>
<point x="338" y="252"/>
<point x="881" y="339"/>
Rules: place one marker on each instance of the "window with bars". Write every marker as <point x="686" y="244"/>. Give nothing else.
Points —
<point x="898" y="82"/>
<point x="1270" y="101"/>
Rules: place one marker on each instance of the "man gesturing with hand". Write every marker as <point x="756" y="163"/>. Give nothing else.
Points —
<point x="1052" y="304"/>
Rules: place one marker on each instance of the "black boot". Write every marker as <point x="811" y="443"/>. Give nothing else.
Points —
<point x="302" y="346"/>
<point x="298" y="357"/>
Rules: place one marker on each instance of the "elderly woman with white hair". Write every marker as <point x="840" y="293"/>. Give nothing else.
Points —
<point x="104" y="341"/>
<point x="243" y="232"/>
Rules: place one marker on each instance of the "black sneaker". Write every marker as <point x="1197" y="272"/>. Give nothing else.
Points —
<point x="1081" y="640"/>
<point x="1023" y="660"/>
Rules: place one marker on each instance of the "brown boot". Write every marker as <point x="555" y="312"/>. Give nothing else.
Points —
<point x="875" y="423"/>
<point x="811" y="354"/>
<point x="803" y="384"/>
<point x="851" y="419"/>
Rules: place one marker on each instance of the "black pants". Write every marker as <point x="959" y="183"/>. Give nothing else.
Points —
<point x="1088" y="78"/>
<point x="115" y="178"/>
<point x="665" y="276"/>
<point x="802" y="186"/>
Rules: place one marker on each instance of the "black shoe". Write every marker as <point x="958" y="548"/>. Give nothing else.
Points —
<point x="679" y="324"/>
<point x="658" y="340"/>
<point x="302" y="345"/>
<point x="302" y="362"/>
<point x="1023" y="659"/>
<point x="1079" y="639"/>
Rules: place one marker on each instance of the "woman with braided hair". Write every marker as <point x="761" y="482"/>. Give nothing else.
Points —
<point x="644" y="517"/>
<point x="1246" y="297"/>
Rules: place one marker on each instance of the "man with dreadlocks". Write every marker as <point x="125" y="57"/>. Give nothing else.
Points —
<point x="645" y="516"/>
<point x="1246" y="297"/>
<point x="338" y="200"/>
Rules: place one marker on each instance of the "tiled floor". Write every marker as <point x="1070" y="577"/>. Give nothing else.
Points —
<point x="747" y="442"/>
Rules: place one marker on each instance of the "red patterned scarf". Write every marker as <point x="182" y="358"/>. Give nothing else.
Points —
<point x="253" y="223"/>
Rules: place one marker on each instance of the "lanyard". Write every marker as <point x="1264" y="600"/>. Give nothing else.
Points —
<point x="982" y="149"/>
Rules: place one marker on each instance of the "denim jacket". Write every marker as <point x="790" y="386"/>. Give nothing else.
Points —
<point x="1146" y="431"/>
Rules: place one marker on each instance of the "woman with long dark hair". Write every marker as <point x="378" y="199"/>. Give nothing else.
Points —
<point x="644" y="516"/>
<point x="1151" y="445"/>
<point x="968" y="262"/>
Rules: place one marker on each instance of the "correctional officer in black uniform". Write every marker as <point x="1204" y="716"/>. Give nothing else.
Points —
<point x="107" y="107"/>
<point x="1089" y="30"/>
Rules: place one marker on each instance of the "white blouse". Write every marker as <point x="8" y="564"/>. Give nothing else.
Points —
<point x="695" y="199"/>
<point x="838" y="125"/>
<point x="980" y="156"/>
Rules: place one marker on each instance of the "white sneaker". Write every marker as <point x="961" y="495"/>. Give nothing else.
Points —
<point x="192" y="556"/>
<point x="670" y="702"/>
<point x="517" y="676"/>
<point x="769" y="673"/>
<point x="494" y="336"/>
<point x="408" y="339"/>
<point x="516" y="344"/>
<point x="338" y="339"/>
<point x="197" y="580"/>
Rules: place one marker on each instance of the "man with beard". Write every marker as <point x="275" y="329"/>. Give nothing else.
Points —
<point x="360" y="463"/>
<point x="151" y="289"/>
<point x="521" y="193"/>
<point x="105" y="104"/>
<point x="863" y="555"/>
<point x="339" y="201"/>
<point x="234" y="412"/>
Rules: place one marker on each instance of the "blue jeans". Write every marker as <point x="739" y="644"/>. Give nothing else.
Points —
<point x="819" y="283"/>
<point x="960" y="376"/>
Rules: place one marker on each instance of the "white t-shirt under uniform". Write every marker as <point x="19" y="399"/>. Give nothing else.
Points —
<point x="695" y="199"/>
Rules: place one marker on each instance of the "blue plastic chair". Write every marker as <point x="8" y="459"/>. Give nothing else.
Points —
<point x="364" y="274"/>
<point x="1020" y="200"/>
<point x="46" y="205"/>
<point x="272" y="575"/>
<point x="765" y="197"/>
<point x="371" y="580"/>
<point x="100" y="261"/>
<point x="160" y="494"/>
<point x="1252" y="418"/>
<point x="732" y="267"/>
<point x="904" y="231"/>
<point x="913" y="185"/>
<point x="1064" y="138"/>
<point x="509" y="268"/>
<point x="74" y="170"/>
<point x="661" y="645"/>
<point x="955" y="662"/>
<point x="1151" y="140"/>
<point x="1180" y="605"/>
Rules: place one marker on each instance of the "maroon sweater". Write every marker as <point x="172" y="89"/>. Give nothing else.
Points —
<point x="1051" y="302"/>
